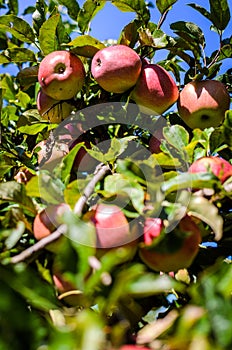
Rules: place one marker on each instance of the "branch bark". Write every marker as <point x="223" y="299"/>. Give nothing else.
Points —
<point x="100" y="172"/>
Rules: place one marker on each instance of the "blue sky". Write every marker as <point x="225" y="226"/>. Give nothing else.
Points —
<point x="109" y="22"/>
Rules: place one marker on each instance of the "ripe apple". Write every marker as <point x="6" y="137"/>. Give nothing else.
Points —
<point x="218" y="166"/>
<point x="202" y="104"/>
<point x="112" y="229"/>
<point x="116" y="68"/>
<point x="52" y="110"/>
<point x="175" y="251"/>
<point x="47" y="221"/>
<point x="61" y="75"/>
<point x="155" y="90"/>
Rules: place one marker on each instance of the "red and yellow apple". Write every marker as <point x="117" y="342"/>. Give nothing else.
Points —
<point x="218" y="166"/>
<point x="132" y="347"/>
<point x="202" y="104"/>
<point x="175" y="250"/>
<point x="52" y="110"/>
<point x="61" y="75"/>
<point x="155" y="90"/>
<point x="112" y="229"/>
<point x="47" y="221"/>
<point x="116" y="68"/>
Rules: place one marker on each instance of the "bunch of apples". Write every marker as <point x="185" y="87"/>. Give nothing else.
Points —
<point x="119" y="69"/>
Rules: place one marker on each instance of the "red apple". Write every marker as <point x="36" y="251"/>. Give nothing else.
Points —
<point x="175" y="251"/>
<point x="116" y="68"/>
<point x="61" y="75"/>
<point x="112" y="227"/>
<point x="218" y="166"/>
<point x="155" y="90"/>
<point x="52" y="110"/>
<point x="47" y="221"/>
<point x="202" y="104"/>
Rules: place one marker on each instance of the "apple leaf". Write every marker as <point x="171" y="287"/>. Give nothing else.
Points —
<point x="118" y="183"/>
<point x="138" y="6"/>
<point x="203" y="209"/>
<point x="79" y="231"/>
<point x="64" y="168"/>
<point x="17" y="55"/>
<point x="13" y="191"/>
<point x="88" y="12"/>
<point x="164" y="5"/>
<point x="192" y="36"/>
<point x="219" y="13"/>
<point x="19" y="28"/>
<point x="48" y="35"/>
<point x="177" y="136"/>
<point x="46" y="187"/>
<point x="72" y="7"/>
<point x="188" y="180"/>
<point x="27" y="77"/>
<point x="33" y="129"/>
<point x="86" y="45"/>
<point x="129" y="34"/>
<point x="164" y="160"/>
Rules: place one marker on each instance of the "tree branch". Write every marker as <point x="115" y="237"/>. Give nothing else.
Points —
<point x="100" y="172"/>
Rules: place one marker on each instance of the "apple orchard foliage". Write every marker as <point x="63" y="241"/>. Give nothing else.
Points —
<point x="68" y="294"/>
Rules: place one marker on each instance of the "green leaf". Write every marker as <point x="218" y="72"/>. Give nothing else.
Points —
<point x="17" y="55"/>
<point x="88" y="12"/>
<point x="86" y="45"/>
<point x="202" y="10"/>
<point x="27" y="77"/>
<point x="13" y="6"/>
<point x="164" y="5"/>
<point x="203" y="209"/>
<point x="188" y="180"/>
<point x="119" y="184"/>
<point x="14" y="235"/>
<point x="129" y="34"/>
<point x="48" y="35"/>
<point x="72" y="7"/>
<point x="137" y="6"/>
<point x="33" y="129"/>
<point x="13" y="191"/>
<point x="17" y="27"/>
<point x="177" y="136"/>
<point x="46" y="187"/>
<point x="190" y="32"/>
<point x="219" y="13"/>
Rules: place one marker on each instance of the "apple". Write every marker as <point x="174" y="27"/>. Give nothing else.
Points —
<point x="155" y="90"/>
<point x="52" y="110"/>
<point x="202" y="104"/>
<point x="112" y="229"/>
<point x="116" y="68"/>
<point x="176" y="250"/>
<point x="83" y="161"/>
<point x="61" y="75"/>
<point x="218" y="166"/>
<point x="47" y="221"/>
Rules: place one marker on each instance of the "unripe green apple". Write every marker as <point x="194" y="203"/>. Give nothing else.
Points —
<point x="52" y="110"/>
<point x="116" y="68"/>
<point x="175" y="251"/>
<point x="218" y="166"/>
<point x="112" y="227"/>
<point x="202" y="104"/>
<point x="47" y="221"/>
<point x="61" y="75"/>
<point x="155" y="90"/>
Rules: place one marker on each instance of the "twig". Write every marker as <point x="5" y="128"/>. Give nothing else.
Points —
<point x="101" y="171"/>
